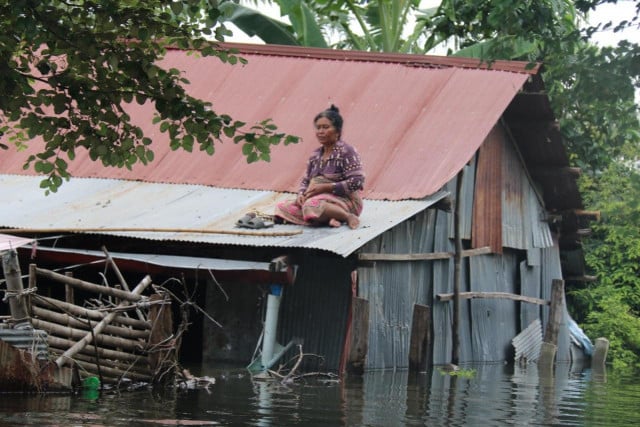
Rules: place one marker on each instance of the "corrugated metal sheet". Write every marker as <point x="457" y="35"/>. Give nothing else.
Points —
<point x="316" y="309"/>
<point x="408" y="114"/>
<point x="487" y="212"/>
<point x="33" y="341"/>
<point x="106" y="203"/>
<point x="529" y="286"/>
<point x="172" y="261"/>
<point x="523" y="214"/>
<point x="8" y="241"/>
<point x="493" y="321"/>
<point x="528" y="342"/>
<point x="392" y="289"/>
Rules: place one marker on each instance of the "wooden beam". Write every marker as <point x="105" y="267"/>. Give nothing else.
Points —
<point x="583" y="278"/>
<point x="430" y="256"/>
<point x="494" y="295"/>
<point x="593" y="215"/>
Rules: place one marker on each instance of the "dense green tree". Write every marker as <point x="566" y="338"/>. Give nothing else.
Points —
<point x="69" y="67"/>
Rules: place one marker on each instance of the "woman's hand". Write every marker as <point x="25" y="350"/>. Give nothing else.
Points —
<point x="318" y="188"/>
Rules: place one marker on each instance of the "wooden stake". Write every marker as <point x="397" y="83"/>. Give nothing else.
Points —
<point x="555" y="312"/>
<point x="420" y="343"/>
<point x="359" y="335"/>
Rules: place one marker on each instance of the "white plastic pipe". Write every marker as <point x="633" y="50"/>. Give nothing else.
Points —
<point x="270" y="328"/>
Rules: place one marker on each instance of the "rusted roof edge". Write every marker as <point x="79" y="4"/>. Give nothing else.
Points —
<point x="398" y="58"/>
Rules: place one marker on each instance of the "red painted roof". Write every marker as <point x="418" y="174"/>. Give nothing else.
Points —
<point x="416" y="120"/>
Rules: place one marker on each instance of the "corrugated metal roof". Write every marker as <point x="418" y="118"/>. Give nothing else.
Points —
<point x="91" y="203"/>
<point x="8" y="242"/>
<point x="415" y="120"/>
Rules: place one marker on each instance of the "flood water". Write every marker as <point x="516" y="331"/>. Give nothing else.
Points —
<point x="496" y="395"/>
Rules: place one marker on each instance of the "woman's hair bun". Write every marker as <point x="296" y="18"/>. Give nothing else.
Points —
<point x="334" y="108"/>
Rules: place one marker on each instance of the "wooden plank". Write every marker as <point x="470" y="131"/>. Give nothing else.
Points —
<point x="359" y="344"/>
<point x="494" y="295"/>
<point x="420" y="343"/>
<point x="431" y="256"/>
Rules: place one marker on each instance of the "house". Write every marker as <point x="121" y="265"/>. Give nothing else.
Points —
<point x="353" y="298"/>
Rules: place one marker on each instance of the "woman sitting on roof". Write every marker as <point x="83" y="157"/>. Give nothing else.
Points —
<point x="330" y="189"/>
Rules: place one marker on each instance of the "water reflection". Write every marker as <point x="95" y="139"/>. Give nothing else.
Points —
<point x="496" y="395"/>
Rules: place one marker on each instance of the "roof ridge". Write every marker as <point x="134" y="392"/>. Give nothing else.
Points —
<point x="414" y="60"/>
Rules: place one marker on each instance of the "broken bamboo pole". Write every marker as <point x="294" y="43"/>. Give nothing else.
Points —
<point x="120" y="277"/>
<point x="63" y="344"/>
<point x="494" y="295"/>
<point x="139" y="367"/>
<point x="53" y="303"/>
<point x="78" y="334"/>
<point x="111" y="372"/>
<point x="15" y="291"/>
<point x="88" y="286"/>
<point x="74" y="322"/>
<point x="88" y="338"/>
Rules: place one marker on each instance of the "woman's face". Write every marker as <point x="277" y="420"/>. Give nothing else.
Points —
<point x="325" y="131"/>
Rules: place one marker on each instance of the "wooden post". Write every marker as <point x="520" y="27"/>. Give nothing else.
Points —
<point x="550" y="340"/>
<point x="359" y="336"/>
<point x="600" y="350"/>
<point x="162" y="348"/>
<point x="420" y="343"/>
<point x="555" y="312"/>
<point x="13" y="277"/>
<point x="457" y="260"/>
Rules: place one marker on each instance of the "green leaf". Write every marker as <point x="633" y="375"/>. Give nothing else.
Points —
<point x="253" y="23"/>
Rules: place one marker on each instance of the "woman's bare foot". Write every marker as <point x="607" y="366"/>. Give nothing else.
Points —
<point x="353" y="221"/>
<point x="334" y="223"/>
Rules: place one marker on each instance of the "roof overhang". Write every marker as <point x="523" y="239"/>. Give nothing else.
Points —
<point x="183" y="213"/>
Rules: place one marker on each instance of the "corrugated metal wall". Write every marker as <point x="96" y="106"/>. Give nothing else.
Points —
<point x="315" y="309"/>
<point x="392" y="288"/>
<point x="527" y="266"/>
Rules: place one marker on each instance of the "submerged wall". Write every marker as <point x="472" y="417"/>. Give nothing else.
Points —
<point x="525" y="263"/>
